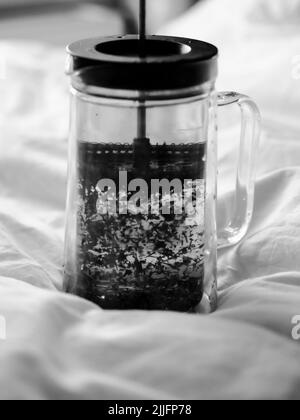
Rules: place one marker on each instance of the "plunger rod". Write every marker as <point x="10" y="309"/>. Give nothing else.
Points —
<point x="141" y="129"/>
<point x="142" y="115"/>
<point x="142" y="28"/>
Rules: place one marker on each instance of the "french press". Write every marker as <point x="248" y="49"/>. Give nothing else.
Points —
<point x="142" y="192"/>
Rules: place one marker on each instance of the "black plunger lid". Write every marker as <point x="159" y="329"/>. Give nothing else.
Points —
<point x="168" y="63"/>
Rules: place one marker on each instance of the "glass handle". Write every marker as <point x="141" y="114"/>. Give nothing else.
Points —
<point x="243" y="203"/>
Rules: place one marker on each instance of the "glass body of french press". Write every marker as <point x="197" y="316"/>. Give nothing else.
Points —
<point x="142" y="191"/>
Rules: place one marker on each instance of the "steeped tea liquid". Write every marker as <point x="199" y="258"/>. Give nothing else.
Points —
<point x="141" y="225"/>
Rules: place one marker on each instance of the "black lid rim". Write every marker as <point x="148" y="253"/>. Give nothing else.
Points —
<point x="180" y="63"/>
<point x="87" y="49"/>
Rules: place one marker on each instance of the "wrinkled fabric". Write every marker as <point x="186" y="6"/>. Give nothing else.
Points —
<point x="62" y="347"/>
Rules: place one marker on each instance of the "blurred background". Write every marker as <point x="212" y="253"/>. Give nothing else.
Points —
<point x="59" y="22"/>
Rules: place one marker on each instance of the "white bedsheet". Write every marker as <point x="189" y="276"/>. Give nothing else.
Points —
<point x="60" y="346"/>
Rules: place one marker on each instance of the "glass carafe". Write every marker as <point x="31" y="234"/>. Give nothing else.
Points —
<point x="142" y="192"/>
